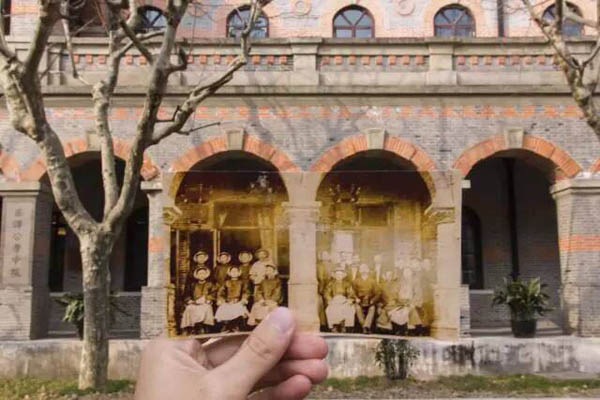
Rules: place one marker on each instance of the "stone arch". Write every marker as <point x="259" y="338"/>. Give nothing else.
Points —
<point x="481" y="26"/>
<point x="378" y="139"/>
<point x="36" y="170"/>
<point x="566" y="166"/>
<point x="9" y="168"/>
<point x="332" y="7"/>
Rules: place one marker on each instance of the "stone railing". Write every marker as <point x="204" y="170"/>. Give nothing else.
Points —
<point x="332" y="62"/>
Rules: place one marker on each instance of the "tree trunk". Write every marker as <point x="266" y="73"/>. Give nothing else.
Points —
<point x="95" y="256"/>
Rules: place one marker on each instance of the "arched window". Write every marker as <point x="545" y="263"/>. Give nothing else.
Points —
<point x="472" y="268"/>
<point x="569" y="27"/>
<point x="152" y="19"/>
<point x="353" y="22"/>
<point x="6" y="16"/>
<point x="238" y="21"/>
<point x="454" y="21"/>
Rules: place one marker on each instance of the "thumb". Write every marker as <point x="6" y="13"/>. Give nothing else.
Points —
<point x="261" y="351"/>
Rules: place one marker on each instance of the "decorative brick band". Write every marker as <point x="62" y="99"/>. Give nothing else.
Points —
<point x="36" y="170"/>
<point x="252" y="145"/>
<point x="580" y="243"/>
<point x="9" y="168"/>
<point x="566" y="166"/>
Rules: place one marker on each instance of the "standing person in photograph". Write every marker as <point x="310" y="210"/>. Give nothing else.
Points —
<point x="232" y="300"/>
<point x="340" y="298"/>
<point x="365" y="290"/>
<point x="412" y="281"/>
<point x="377" y="271"/>
<point x="198" y="315"/>
<point x="267" y="296"/>
<point x="258" y="269"/>
<point x="245" y="257"/>
<point x="222" y="268"/>
<point x="324" y="275"/>
<point x="393" y="310"/>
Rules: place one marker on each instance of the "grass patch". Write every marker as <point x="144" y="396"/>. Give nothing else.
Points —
<point x="466" y="385"/>
<point x="13" y="389"/>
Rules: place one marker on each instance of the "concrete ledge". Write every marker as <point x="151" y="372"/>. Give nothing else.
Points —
<point x="347" y="357"/>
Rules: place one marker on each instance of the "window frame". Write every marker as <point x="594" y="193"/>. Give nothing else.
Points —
<point x="237" y="11"/>
<point x="551" y="10"/>
<point x="353" y="28"/>
<point x="151" y="27"/>
<point x="454" y="26"/>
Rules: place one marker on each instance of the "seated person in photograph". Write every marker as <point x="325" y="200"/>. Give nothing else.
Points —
<point x="392" y="315"/>
<point x="339" y="297"/>
<point x="245" y="258"/>
<point x="198" y="315"/>
<point x="232" y="299"/>
<point x="258" y="269"/>
<point x="324" y="272"/>
<point x="222" y="268"/>
<point x="412" y="290"/>
<point x="366" y="292"/>
<point x="267" y="296"/>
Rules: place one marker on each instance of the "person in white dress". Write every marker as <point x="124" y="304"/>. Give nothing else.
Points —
<point x="259" y="268"/>
<point x="340" y="298"/>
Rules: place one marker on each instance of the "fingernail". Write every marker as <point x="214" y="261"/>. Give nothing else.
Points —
<point x="282" y="319"/>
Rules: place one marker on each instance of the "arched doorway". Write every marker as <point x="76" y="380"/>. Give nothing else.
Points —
<point x="511" y="227"/>
<point x="128" y="267"/>
<point x="373" y="234"/>
<point x="227" y="212"/>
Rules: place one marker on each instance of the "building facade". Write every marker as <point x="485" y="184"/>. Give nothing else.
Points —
<point x="503" y="174"/>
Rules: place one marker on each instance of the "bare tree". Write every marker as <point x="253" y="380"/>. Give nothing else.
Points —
<point x="581" y="73"/>
<point x="21" y="82"/>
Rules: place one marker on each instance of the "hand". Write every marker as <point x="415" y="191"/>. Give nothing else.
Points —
<point x="274" y="362"/>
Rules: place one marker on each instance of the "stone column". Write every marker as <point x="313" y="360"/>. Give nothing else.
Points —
<point x="24" y="255"/>
<point x="153" y="319"/>
<point x="445" y="214"/>
<point x="302" y="286"/>
<point x="577" y="206"/>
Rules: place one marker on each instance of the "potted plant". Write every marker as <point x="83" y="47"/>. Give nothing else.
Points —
<point x="396" y="357"/>
<point x="74" y="310"/>
<point x="526" y="300"/>
<point x="73" y="303"/>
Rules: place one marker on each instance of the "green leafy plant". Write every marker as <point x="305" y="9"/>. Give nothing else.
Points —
<point x="74" y="309"/>
<point x="525" y="299"/>
<point x="396" y="357"/>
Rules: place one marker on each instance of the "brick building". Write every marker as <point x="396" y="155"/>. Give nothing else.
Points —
<point x="465" y="96"/>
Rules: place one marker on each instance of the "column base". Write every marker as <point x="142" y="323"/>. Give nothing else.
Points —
<point x="153" y="318"/>
<point x="304" y="303"/>
<point x="24" y="311"/>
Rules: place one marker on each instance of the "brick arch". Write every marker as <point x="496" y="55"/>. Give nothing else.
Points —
<point x="220" y="144"/>
<point x="481" y="23"/>
<point x="36" y="170"/>
<point x="352" y="145"/>
<point x="566" y="166"/>
<point x="9" y="168"/>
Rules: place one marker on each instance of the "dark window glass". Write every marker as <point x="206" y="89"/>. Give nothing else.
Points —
<point x="455" y="21"/>
<point x="353" y="22"/>
<point x="238" y="21"/>
<point x="472" y="269"/>
<point x="569" y="27"/>
<point x="6" y="16"/>
<point x="152" y="19"/>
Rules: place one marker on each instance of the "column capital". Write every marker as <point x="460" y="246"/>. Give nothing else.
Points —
<point x="303" y="212"/>
<point x="151" y="186"/>
<point x="440" y="215"/>
<point x="576" y="186"/>
<point x="24" y="189"/>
